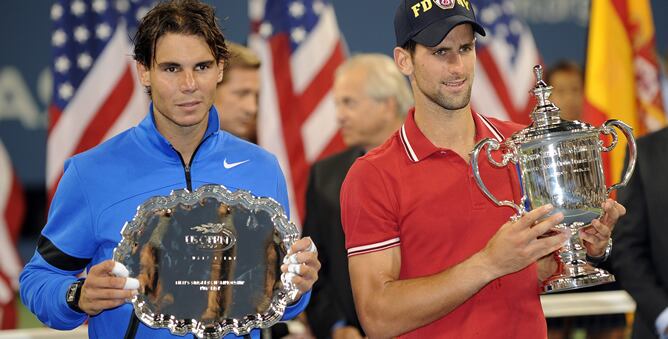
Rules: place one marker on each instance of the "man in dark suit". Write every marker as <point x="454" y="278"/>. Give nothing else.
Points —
<point x="641" y="238"/>
<point x="371" y="97"/>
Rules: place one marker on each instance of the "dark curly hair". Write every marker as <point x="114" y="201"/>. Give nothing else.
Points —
<point x="190" y="17"/>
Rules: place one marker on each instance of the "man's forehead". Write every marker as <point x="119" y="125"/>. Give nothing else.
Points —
<point x="176" y="44"/>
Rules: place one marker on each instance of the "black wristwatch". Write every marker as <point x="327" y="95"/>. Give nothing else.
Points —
<point x="73" y="295"/>
<point x="595" y="261"/>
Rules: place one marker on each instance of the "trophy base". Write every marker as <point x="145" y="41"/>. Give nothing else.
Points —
<point x="574" y="277"/>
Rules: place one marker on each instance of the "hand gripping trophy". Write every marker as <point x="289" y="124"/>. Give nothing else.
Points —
<point x="559" y="162"/>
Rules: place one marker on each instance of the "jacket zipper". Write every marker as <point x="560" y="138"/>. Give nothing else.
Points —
<point x="186" y="168"/>
<point x="131" y="331"/>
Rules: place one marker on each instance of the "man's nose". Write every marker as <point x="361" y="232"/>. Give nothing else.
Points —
<point x="188" y="82"/>
<point x="251" y="105"/>
<point x="455" y="63"/>
<point x="341" y="115"/>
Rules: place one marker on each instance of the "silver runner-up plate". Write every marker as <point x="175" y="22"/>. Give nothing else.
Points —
<point x="208" y="261"/>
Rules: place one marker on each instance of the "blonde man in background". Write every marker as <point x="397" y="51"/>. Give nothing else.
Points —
<point x="237" y="95"/>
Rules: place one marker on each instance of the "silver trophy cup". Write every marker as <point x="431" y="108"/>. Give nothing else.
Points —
<point x="559" y="162"/>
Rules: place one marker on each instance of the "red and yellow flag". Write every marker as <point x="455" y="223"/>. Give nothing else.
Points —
<point x="622" y="75"/>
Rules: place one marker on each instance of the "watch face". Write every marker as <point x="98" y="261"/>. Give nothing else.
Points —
<point x="72" y="292"/>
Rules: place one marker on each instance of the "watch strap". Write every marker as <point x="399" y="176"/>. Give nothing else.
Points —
<point x="74" y="294"/>
<point x="600" y="259"/>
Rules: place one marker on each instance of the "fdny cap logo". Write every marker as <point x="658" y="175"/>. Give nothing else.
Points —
<point x="445" y="4"/>
<point x="423" y="6"/>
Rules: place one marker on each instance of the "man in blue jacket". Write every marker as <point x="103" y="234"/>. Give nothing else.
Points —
<point x="180" y="53"/>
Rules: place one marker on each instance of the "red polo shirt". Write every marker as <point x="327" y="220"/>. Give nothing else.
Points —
<point x="412" y="194"/>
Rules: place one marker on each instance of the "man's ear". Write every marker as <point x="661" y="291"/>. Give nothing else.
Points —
<point x="404" y="61"/>
<point x="144" y="74"/>
<point x="221" y="70"/>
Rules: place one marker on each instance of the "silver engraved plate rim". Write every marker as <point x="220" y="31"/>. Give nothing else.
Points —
<point x="281" y="298"/>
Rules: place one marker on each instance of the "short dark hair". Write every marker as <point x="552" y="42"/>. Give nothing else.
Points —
<point x="410" y="46"/>
<point x="190" y="17"/>
<point x="564" y="65"/>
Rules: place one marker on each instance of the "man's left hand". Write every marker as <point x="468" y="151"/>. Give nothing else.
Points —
<point x="595" y="238"/>
<point x="301" y="265"/>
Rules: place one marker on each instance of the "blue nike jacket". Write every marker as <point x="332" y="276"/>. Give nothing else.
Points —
<point x="101" y="189"/>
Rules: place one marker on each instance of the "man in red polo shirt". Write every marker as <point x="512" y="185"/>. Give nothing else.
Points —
<point x="429" y="255"/>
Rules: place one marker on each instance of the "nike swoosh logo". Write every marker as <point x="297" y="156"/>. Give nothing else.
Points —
<point x="229" y="165"/>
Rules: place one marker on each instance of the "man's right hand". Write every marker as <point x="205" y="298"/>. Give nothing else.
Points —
<point x="102" y="290"/>
<point x="522" y="242"/>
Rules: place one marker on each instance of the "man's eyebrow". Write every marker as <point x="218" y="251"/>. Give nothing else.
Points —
<point x="436" y="48"/>
<point x="205" y="63"/>
<point x="168" y="64"/>
<point x="176" y="64"/>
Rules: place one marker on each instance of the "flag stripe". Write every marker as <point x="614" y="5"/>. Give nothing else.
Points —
<point x="287" y="103"/>
<point x="489" y="104"/>
<point x="319" y="128"/>
<point x="314" y="51"/>
<point x="110" y="110"/>
<point x="12" y="208"/>
<point x="134" y="111"/>
<point x="54" y="117"/>
<point x="496" y="81"/>
<point x="268" y="133"/>
<point x="316" y="91"/>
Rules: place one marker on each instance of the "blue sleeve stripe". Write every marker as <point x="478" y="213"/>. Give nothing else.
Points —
<point x="293" y="310"/>
<point x="57" y="258"/>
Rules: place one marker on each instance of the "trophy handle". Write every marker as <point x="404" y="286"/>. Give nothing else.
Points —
<point x="631" y="141"/>
<point x="493" y="146"/>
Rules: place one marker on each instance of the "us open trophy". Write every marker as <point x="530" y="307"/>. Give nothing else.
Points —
<point x="559" y="162"/>
<point x="208" y="261"/>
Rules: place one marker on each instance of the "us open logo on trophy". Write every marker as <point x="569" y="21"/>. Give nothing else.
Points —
<point x="444" y="4"/>
<point x="559" y="162"/>
<point x="214" y="237"/>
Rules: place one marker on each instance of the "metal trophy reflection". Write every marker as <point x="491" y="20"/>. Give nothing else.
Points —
<point x="559" y="162"/>
<point x="208" y="261"/>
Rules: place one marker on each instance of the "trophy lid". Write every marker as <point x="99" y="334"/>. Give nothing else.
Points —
<point x="545" y="117"/>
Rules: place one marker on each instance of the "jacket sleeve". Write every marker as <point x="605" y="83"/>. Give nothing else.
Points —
<point x="64" y="249"/>
<point x="298" y="307"/>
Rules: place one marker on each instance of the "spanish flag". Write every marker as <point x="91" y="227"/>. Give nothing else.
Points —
<point x="622" y="75"/>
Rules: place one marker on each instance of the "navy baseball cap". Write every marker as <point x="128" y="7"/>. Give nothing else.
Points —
<point x="427" y="22"/>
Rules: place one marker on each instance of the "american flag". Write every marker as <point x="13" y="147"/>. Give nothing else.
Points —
<point x="95" y="94"/>
<point x="12" y="207"/>
<point x="504" y="70"/>
<point x="300" y="46"/>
